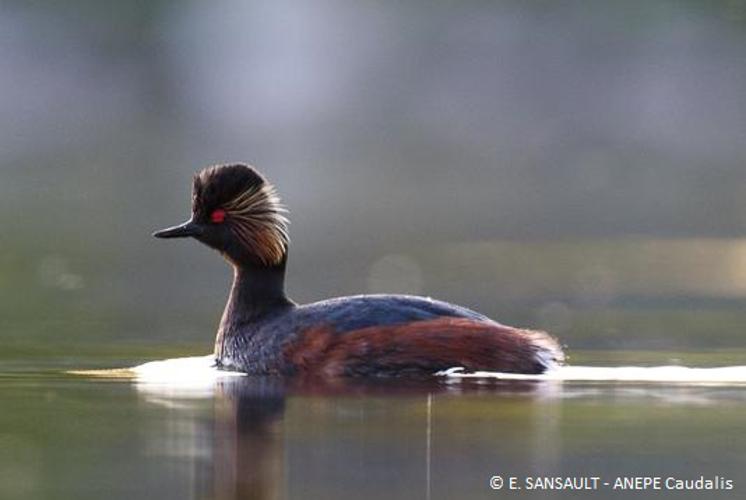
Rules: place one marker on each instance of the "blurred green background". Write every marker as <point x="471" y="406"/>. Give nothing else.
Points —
<point x="573" y="166"/>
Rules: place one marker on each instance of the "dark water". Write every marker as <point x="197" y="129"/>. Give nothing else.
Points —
<point x="76" y="436"/>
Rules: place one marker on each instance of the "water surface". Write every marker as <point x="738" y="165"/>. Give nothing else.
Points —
<point x="195" y="436"/>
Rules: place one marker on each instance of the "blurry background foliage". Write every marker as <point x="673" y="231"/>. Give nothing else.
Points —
<point x="574" y="166"/>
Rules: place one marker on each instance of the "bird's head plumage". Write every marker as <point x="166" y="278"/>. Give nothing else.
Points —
<point x="238" y="212"/>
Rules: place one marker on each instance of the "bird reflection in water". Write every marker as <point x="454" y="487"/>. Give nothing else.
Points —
<point x="237" y="429"/>
<point x="247" y="437"/>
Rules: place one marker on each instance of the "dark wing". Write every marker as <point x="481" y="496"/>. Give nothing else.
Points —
<point x="361" y="311"/>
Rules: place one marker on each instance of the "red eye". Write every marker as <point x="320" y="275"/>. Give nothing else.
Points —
<point x="217" y="216"/>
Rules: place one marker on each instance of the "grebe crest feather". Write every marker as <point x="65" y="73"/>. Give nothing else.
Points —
<point x="252" y="208"/>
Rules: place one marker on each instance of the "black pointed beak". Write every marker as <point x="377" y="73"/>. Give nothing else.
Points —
<point x="185" y="230"/>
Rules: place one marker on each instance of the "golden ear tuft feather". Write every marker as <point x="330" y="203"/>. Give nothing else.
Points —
<point x="257" y="219"/>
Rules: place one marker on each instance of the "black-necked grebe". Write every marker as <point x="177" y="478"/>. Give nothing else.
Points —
<point x="236" y="211"/>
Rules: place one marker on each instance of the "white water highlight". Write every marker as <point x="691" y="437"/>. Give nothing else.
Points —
<point x="182" y="370"/>
<point x="200" y="372"/>
<point x="673" y="374"/>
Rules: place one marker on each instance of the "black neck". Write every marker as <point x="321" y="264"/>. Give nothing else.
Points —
<point x="256" y="292"/>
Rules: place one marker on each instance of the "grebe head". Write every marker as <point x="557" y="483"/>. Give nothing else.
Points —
<point x="236" y="211"/>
